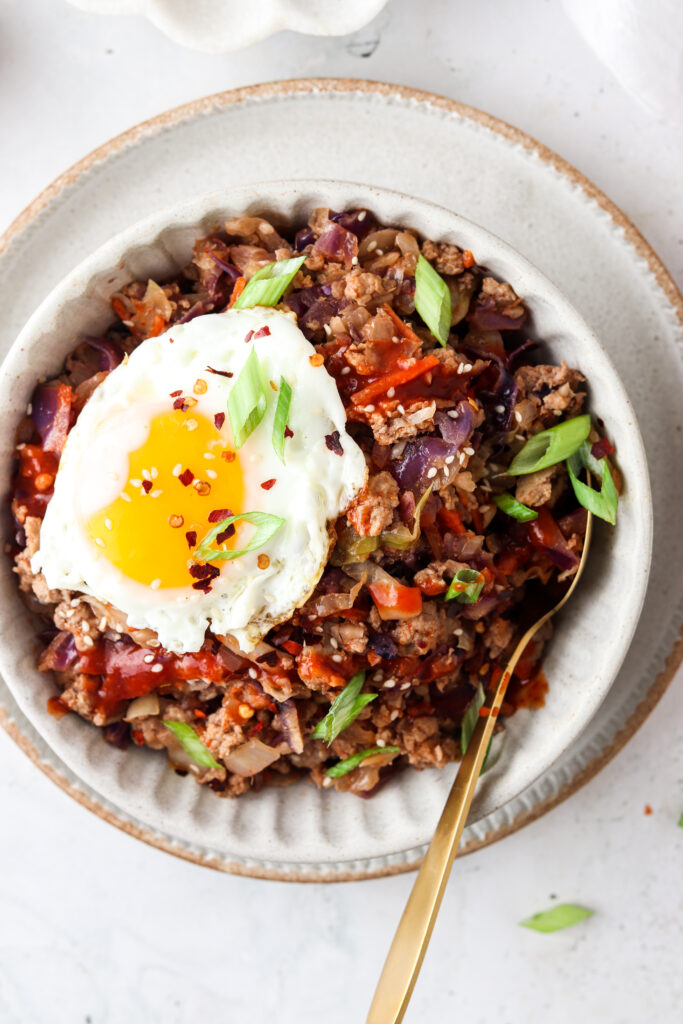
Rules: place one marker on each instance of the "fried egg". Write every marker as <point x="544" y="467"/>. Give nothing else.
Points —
<point x="151" y="466"/>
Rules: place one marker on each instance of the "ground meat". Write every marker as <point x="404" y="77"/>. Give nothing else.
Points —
<point x="395" y="423"/>
<point x="221" y="734"/>
<point x="446" y="258"/>
<point x="349" y="636"/>
<point x="424" y="632"/>
<point x="536" y="488"/>
<point x="553" y="390"/>
<point x="373" y="509"/>
<point x="30" y="581"/>
<point x="498" y="635"/>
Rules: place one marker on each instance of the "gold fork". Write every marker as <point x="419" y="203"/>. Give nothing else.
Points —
<point x="414" y="931"/>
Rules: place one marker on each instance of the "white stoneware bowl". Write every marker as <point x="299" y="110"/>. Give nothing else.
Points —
<point x="222" y="26"/>
<point x="300" y="824"/>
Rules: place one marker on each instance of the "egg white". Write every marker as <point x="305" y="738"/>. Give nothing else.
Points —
<point x="313" y="487"/>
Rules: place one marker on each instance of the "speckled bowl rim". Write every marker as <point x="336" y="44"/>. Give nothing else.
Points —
<point x="632" y="236"/>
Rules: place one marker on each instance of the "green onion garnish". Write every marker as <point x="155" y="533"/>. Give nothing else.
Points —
<point x="433" y="300"/>
<point x="192" y="745"/>
<point x="284" y="400"/>
<point x="466" y="586"/>
<point x="680" y="821"/>
<point x="562" y="916"/>
<point x="247" y="400"/>
<point x="266" y="525"/>
<point x="492" y="756"/>
<point x="345" y="709"/>
<point x="551" y="446"/>
<point x="346" y="766"/>
<point x="267" y="286"/>
<point x="511" y="507"/>
<point x="402" y="537"/>
<point x="470" y="718"/>
<point x="602" y="503"/>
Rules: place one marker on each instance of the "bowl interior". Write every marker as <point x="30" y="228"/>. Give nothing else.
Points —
<point x="299" y="823"/>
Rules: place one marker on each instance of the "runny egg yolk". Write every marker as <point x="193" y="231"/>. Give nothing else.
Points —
<point x="143" y="532"/>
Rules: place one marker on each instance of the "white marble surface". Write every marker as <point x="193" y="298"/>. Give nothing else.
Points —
<point x="96" y="927"/>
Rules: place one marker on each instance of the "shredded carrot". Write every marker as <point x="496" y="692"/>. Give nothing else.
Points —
<point x="468" y="259"/>
<point x="401" y="326"/>
<point x="292" y="647"/>
<point x="199" y="714"/>
<point x="450" y="520"/>
<point x="120" y="309"/>
<point x="393" y="380"/>
<point x="373" y="659"/>
<point x="240" y="285"/>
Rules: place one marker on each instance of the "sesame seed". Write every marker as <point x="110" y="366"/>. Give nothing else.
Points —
<point x="190" y="424"/>
<point x="449" y="459"/>
<point x="87" y="641"/>
<point x="400" y="410"/>
<point x="148" y="659"/>
<point x="518" y="417"/>
<point x="461" y="458"/>
<point x="467" y="367"/>
<point x="500" y="408"/>
<point x="468" y="451"/>
<point x="372" y="245"/>
<point x="155" y="584"/>
<point x="354" y="261"/>
<point x="334" y="643"/>
<point x="345" y="369"/>
<point x="431" y="473"/>
<point x="380" y="252"/>
<point x="336" y="657"/>
<point x="361" y="215"/>
<point x="136" y="483"/>
<point x="438" y="750"/>
<point x="177" y="469"/>
<point x="154" y="472"/>
<point x="394" y="715"/>
<point x="29" y="409"/>
<point x="389" y="684"/>
<point x="369" y="408"/>
<point x="377" y="675"/>
<point x="209" y="455"/>
<point x="253" y="674"/>
<point x="99" y="542"/>
<point x="157" y="668"/>
<point x="146" y="475"/>
<point x="557" y="412"/>
<point x="457" y="632"/>
<point x="405" y="686"/>
<point x="460" y="366"/>
<point x="381" y="743"/>
<point x="391" y="392"/>
<point x="212" y="474"/>
<point x="327" y="329"/>
<point x="108" y="523"/>
<point x="327" y="782"/>
<point x="74" y="602"/>
<point x="156" y="494"/>
<point x="484" y="508"/>
<point x="102" y="624"/>
<point x="453" y="414"/>
<point x="153" y="643"/>
<point x="85" y="626"/>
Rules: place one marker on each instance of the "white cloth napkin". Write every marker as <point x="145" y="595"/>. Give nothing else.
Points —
<point x="641" y="42"/>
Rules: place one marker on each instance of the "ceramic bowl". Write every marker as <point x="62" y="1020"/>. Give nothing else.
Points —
<point x="300" y="824"/>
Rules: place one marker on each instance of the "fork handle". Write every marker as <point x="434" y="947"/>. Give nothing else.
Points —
<point x="414" y="931"/>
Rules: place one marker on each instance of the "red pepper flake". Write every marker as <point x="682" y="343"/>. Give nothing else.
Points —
<point x="602" y="448"/>
<point x="484" y="712"/>
<point x="228" y="455"/>
<point x="219" y="514"/>
<point x="204" y="574"/>
<point x="249" y="336"/>
<point x="138" y="737"/>
<point x="468" y="259"/>
<point x="228" y="532"/>
<point x="254" y="729"/>
<point x="288" y="432"/>
<point x="191" y="538"/>
<point x="648" y="809"/>
<point x="219" y="420"/>
<point x="186" y="477"/>
<point x="199" y="714"/>
<point x="188" y="402"/>
<point x="174" y="394"/>
<point x="262" y="333"/>
<point x="333" y="442"/>
<point x="147" y="486"/>
<point x="220" y="373"/>
<point x="267" y="484"/>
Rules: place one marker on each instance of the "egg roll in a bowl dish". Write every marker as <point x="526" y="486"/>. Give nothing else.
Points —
<point x="286" y="515"/>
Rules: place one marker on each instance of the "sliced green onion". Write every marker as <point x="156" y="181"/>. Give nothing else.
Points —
<point x="266" y="525"/>
<point x="493" y="753"/>
<point x="602" y="503"/>
<point x="562" y="916"/>
<point x="267" y="286"/>
<point x="551" y="446"/>
<point x="350" y="547"/>
<point x="345" y="710"/>
<point x="680" y="821"/>
<point x="284" y="400"/>
<point x="402" y="537"/>
<point x="346" y="766"/>
<point x="466" y="586"/>
<point x="433" y="300"/>
<point x="511" y="507"/>
<point x="247" y="400"/>
<point x="192" y="745"/>
<point x="471" y="717"/>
